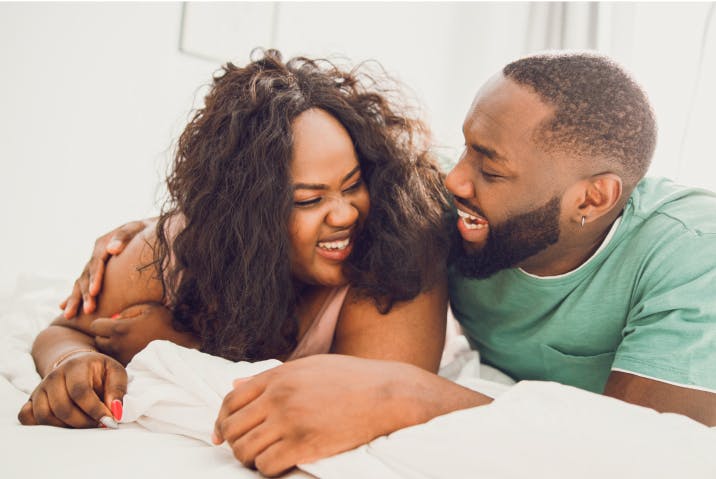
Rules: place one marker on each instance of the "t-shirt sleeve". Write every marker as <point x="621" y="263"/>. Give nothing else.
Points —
<point x="670" y="332"/>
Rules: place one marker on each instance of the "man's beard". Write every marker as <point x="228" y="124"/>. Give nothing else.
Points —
<point x="512" y="242"/>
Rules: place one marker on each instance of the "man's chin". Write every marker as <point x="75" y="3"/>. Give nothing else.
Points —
<point x="478" y="265"/>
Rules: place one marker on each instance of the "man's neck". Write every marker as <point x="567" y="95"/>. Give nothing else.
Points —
<point x="569" y="254"/>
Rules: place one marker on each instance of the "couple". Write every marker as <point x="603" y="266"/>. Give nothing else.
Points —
<point x="569" y="266"/>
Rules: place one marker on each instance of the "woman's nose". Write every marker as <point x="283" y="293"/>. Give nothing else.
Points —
<point x="343" y="213"/>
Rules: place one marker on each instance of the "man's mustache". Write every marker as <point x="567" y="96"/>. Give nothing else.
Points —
<point x="469" y="206"/>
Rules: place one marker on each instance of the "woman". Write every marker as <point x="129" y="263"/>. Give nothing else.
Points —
<point x="296" y="185"/>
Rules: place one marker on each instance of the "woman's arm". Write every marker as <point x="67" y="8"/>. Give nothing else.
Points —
<point x="412" y="331"/>
<point x="81" y="386"/>
<point x="127" y="281"/>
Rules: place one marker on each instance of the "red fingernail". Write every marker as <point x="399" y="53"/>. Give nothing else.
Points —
<point x="116" y="408"/>
<point x="115" y="316"/>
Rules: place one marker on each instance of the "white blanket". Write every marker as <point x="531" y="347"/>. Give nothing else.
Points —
<point x="532" y="429"/>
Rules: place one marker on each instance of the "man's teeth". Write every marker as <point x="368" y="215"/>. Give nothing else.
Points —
<point x="334" y="244"/>
<point x="471" y="222"/>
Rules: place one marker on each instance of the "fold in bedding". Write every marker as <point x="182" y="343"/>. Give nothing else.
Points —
<point x="532" y="429"/>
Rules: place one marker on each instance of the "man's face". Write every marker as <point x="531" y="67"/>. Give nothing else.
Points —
<point x="507" y="190"/>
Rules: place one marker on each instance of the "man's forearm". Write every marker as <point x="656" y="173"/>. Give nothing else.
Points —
<point x="433" y="396"/>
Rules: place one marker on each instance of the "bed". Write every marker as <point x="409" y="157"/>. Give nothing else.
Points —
<point x="532" y="429"/>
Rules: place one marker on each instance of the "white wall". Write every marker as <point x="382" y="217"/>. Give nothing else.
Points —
<point x="93" y="95"/>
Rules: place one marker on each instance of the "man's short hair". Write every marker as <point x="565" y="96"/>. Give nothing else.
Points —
<point x="601" y="114"/>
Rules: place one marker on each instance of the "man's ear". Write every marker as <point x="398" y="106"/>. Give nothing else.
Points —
<point x="596" y="196"/>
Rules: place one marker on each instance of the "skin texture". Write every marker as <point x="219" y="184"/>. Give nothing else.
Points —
<point x="503" y="119"/>
<point x="320" y="406"/>
<point x="337" y="202"/>
<point x="331" y="200"/>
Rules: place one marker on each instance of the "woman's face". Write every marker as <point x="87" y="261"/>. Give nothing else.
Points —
<point x="330" y="199"/>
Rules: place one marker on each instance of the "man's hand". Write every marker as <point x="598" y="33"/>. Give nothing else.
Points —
<point x="125" y="334"/>
<point x="321" y="405"/>
<point x="89" y="284"/>
<point x="84" y="391"/>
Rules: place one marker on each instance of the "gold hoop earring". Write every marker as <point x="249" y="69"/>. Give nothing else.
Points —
<point x="584" y="218"/>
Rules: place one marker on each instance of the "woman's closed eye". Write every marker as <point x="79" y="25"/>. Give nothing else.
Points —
<point x="357" y="184"/>
<point x="315" y="200"/>
<point x="310" y="202"/>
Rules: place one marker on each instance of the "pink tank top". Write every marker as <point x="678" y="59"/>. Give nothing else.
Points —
<point x="319" y="337"/>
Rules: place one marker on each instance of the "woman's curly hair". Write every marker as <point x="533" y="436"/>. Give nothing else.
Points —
<point x="226" y="274"/>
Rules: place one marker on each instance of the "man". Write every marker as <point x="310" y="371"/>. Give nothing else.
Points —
<point x="573" y="268"/>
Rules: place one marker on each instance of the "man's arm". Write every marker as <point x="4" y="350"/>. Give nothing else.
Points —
<point x="697" y="404"/>
<point x="321" y="405"/>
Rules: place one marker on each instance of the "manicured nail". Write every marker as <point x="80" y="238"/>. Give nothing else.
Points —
<point x="109" y="422"/>
<point x="115" y="316"/>
<point x="114" y="244"/>
<point x="116" y="408"/>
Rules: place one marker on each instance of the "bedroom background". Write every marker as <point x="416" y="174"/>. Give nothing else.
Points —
<point x="94" y="95"/>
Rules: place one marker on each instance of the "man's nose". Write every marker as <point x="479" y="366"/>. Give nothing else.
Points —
<point x="459" y="182"/>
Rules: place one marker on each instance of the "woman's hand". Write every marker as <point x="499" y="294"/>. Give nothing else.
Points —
<point x="88" y="285"/>
<point x="83" y="391"/>
<point x="125" y="334"/>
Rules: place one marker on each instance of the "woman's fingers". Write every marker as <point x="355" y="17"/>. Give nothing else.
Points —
<point x="42" y="411"/>
<point x="94" y="383"/>
<point x="26" y="416"/>
<point x="115" y="387"/>
<point x="81" y="389"/>
<point x="85" y="391"/>
<point x="64" y="409"/>
<point x="109" y="327"/>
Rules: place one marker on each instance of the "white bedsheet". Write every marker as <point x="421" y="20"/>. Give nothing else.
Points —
<point x="532" y="429"/>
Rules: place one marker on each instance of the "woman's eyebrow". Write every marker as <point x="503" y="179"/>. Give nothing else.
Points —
<point x="320" y="186"/>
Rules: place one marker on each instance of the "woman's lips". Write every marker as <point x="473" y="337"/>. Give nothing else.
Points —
<point x="337" y="250"/>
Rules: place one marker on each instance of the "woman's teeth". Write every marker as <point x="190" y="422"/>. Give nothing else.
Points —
<point x="333" y="245"/>
<point x="472" y="222"/>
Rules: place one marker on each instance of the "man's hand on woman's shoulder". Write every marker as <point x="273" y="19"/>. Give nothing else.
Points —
<point x="89" y="284"/>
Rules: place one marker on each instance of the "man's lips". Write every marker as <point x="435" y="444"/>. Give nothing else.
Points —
<point x="472" y="221"/>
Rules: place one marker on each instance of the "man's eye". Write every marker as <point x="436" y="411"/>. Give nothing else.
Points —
<point x="312" y="201"/>
<point x="489" y="176"/>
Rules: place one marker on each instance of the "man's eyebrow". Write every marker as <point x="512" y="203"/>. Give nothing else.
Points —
<point x="489" y="153"/>
<point x="320" y="186"/>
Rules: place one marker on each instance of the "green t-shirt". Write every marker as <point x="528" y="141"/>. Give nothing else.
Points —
<point x="645" y="303"/>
